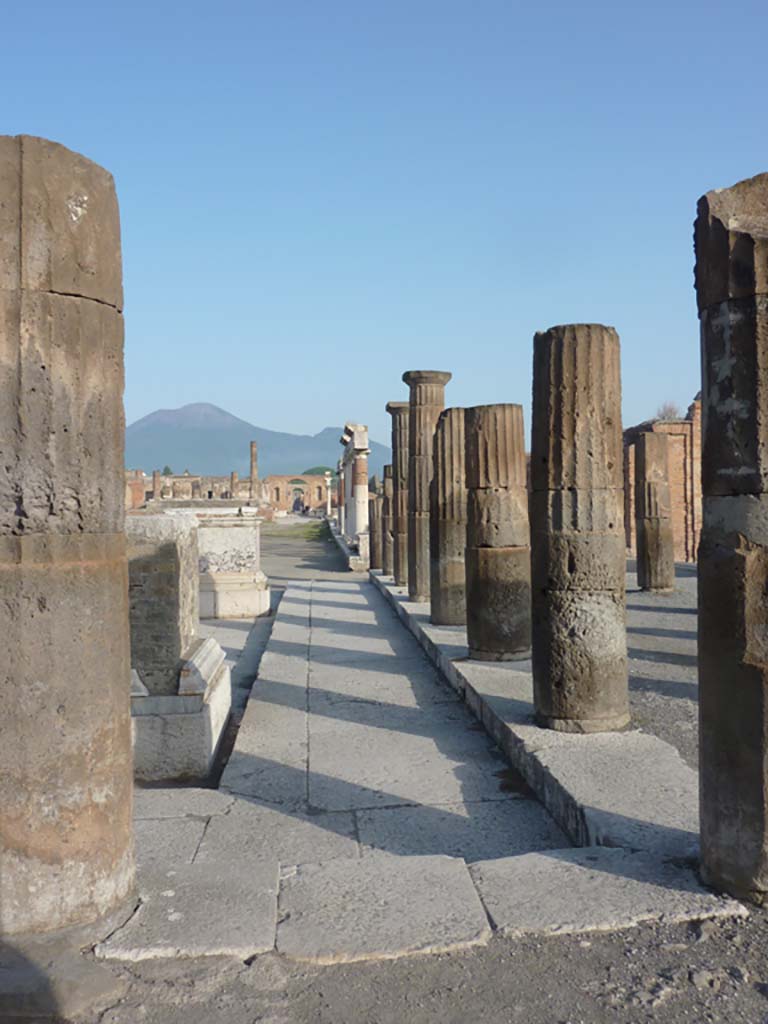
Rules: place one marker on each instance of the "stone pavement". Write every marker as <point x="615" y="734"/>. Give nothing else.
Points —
<point x="365" y="814"/>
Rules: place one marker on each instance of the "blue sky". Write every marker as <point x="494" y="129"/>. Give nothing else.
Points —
<point x="317" y="196"/>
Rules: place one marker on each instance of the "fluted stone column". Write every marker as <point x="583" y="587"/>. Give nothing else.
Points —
<point x="328" y="502"/>
<point x="400" y="413"/>
<point x="653" y="514"/>
<point x="340" y="498"/>
<point x="374" y="513"/>
<point x="427" y="399"/>
<point x="254" y="476"/>
<point x="577" y="531"/>
<point x="156" y="483"/>
<point x="387" y="528"/>
<point x="233" y="479"/>
<point x="65" y="739"/>
<point x="498" y="556"/>
<point x="448" y="522"/>
<point x="731" y="240"/>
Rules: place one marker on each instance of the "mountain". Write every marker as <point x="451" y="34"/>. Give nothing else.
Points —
<point x="210" y="441"/>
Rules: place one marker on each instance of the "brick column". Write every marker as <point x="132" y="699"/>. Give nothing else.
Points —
<point x="400" y="413"/>
<point x="731" y="241"/>
<point x="233" y="484"/>
<point x="448" y="522"/>
<point x="387" y="518"/>
<point x="577" y="531"/>
<point x="156" y="483"/>
<point x="498" y="558"/>
<point x="254" y="477"/>
<point x="65" y="738"/>
<point x="653" y="514"/>
<point x="427" y="399"/>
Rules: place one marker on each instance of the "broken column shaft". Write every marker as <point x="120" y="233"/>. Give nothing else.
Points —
<point x="400" y="413"/>
<point x="653" y="514"/>
<point x="427" y="399"/>
<point x="498" y="555"/>
<point x="374" y="521"/>
<point x="448" y="522"/>
<point x="731" y="241"/>
<point x="387" y="516"/>
<point x="577" y="531"/>
<point x="65" y="738"/>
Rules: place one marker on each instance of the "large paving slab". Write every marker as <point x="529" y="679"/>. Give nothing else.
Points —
<point x="591" y="889"/>
<point x="381" y="907"/>
<point x="179" y="802"/>
<point x="206" y="909"/>
<point x="164" y="841"/>
<point x="625" y="789"/>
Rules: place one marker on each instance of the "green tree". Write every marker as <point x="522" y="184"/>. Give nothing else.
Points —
<point x="319" y="471"/>
<point x="167" y="471"/>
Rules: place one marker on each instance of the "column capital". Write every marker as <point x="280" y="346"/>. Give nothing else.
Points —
<point x="426" y="377"/>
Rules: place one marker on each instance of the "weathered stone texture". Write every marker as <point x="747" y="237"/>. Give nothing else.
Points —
<point x="400" y="413"/>
<point x="387" y="524"/>
<point x="577" y="535"/>
<point x="498" y="554"/>
<point x="427" y="398"/>
<point x="653" y="513"/>
<point x="448" y="522"/>
<point x="374" y="521"/>
<point x="65" y="754"/>
<point x="163" y="577"/>
<point x="731" y="241"/>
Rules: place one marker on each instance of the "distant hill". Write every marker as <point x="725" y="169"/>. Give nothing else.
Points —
<point x="207" y="440"/>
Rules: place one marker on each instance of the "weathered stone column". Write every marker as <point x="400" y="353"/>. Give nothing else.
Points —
<point x="254" y="476"/>
<point x="427" y="399"/>
<point x="387" y="531"/>
<point x="233" y="480"/>
<point x="360" y="490"/>
<point x="340" y="499"/>
<point x="577" y="536"/>
<point x="156" y="483"/>
<point x="374" y="512"/>
<point x="498" y="556"/>
<point x="653" y="514"/>
<point x="65" y="738"/>
<point x="328" y="500"/>
<point x="731" y="240"/>
<point x="448" y="522"/>
<point x="400" y="413"/>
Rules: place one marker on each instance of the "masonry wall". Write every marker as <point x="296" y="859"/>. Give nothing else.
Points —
<point x="684" y="479"/>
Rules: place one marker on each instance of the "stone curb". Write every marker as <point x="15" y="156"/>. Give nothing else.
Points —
<point x="627" y="789"/>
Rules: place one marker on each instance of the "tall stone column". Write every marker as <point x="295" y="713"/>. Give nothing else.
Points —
<point x="233" y="479"/>
<point x="577" y="535"/>
<point x="340" y="499"/>
<point x="65" y="739"/>
<point x="427" y="399"/>
<point x="328" y="503"/>
<point x="498" y="556"/>
<point x="731" y="241"/>
<point x="254" y="477"/>
<point x="448" y="522"/>
<point x="360" y="490"/>
<point x="387" y="524"/>
<point x="374" y="513"/>
<point x="653" y="514"/>
<point x="400" y="413"/>
<point x="156" y="483"/>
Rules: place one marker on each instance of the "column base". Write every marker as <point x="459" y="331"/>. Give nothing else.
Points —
<point x="476" y="655"/>
<point x="614" y="723"/>
<point x="233" y="595"/>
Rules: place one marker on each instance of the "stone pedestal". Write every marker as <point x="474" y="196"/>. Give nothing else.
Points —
<point x="498" y="556"/>
<point x="180" y="692"/>
<point x="448" y="522"/>
<point x="731" y="240"/>
<point x="232" y="585"/>
<point x="65" y="742"/>
<point x="374" y="515"/>
<point x="427" y="399"/>
<point x="577" y="531"/>
<point x="653" y="514"/>
<point x="400" y="413"/>
<point x="387" y="525"/>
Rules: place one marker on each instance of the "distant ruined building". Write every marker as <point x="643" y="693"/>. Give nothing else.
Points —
<point x="684" y="479"/>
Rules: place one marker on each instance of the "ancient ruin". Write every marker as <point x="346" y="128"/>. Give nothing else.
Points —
<point x="375" y="503"/>
<point x="577" y="531"/>
<point x="448" y="522"/>
<point x="427" y="399"/>
<point x="498" y="556"/>
<point x="387" y="524"/>
<point x="66" y="854"/>
<point x="731" y="242"/>
<point x="653" y="514"/>
<point x="400" y="413"/>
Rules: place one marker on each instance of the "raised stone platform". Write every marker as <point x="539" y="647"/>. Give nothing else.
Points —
<point x="357" y="561"/>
